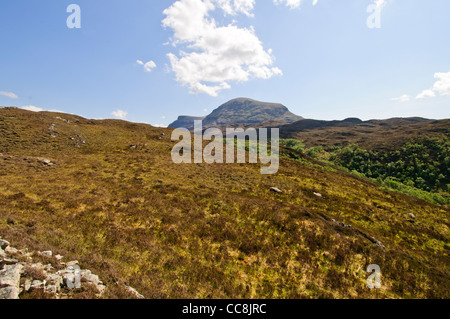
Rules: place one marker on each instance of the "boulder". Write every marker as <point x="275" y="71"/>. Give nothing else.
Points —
<point x="10" y="276"/>
<point x="38" y="266"/>
<point x="27" y="284"/>
<point x="72" y="263"/>
<point x="11" y="250"/>
<point x="89" y="277"/>
<point x="8" y="261"/>
<point x="48" y="267"/>
<point x="37" y="284"/>
<point x="9" y="293"/>
<point x="3" y="244"/>
<point x="47" y="253"/>
<point x="134" y="292"/>
<point x="46" y="161"/>
<point x="11" y="270"/>
<point x="52" y="289"/>
<point x="54" y="279"/>
<point x="68" y="276"/>
<point x="378" y="243"/>
<point x="101" y="289"/>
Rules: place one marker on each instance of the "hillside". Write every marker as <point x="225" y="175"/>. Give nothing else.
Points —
<point x="243" y="111"/>
<point x="373" y="135"/>
<point x="107" y="194"/>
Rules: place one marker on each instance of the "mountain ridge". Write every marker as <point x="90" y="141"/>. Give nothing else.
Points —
<point x="241" y="111"/>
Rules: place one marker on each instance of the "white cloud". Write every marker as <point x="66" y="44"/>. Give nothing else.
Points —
<point x="233" y="7"/>
<point x="9" y="94"/>
<point x="290" y="3"/>
<point x="403" y="98"/>
<point x="147" y="66"/>
<point x="32" y="108"/>
<point x="215" y="55"/>
<point x="441" y="86"/>
<point x="380" y="3"/>
<point x="119" y="114"/>
<point x="426" y="94"/>
<point x="159" y="125"/>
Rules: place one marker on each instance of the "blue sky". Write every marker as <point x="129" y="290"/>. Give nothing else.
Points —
<point x="150" y="61"/>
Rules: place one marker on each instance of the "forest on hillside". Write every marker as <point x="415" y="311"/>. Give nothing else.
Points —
<point x="422" y="164"/>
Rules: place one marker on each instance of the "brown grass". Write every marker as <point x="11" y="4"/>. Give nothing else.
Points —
<point x="209" y="231"/>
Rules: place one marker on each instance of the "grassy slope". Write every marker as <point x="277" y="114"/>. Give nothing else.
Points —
<point x="208" y="231"/>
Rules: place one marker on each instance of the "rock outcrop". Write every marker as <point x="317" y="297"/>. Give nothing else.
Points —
<point x="20" y="274"/>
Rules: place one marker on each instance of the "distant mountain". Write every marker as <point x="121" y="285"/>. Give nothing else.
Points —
<point x="242" y="111"/>
<point x="186" y="121"/>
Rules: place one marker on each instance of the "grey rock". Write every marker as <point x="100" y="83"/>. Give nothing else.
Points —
<point x="101" y="289"/>
<point x="59" y="257"/>
<point x="48" y="267"/>
<point x="8" y="261"/>
<point x="10" y="275"/>
<point x="134" y="292"/>
<point x="3" y="244"/>
<point x="37" y="284"/>
<point x="52" y="289"/>
<point x="46" y="161"/>
<point x="11" y="250"/>
<point x="47" y="253"/>
<point x="38" y="266"/>
<point x="89" y="277"/>
<point x="27" y="284"/>
<point x="54" y="279"/>
<point x="54" y="282"/>
<point x="378" y="243"/>
<point x="72" y="263"/>
<point x="70" y="279"/>
<point x="9" y="293"/>
<point x="276" y="190"/>
<point x="318" y="194"/>
<point x="411" y="215"/>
